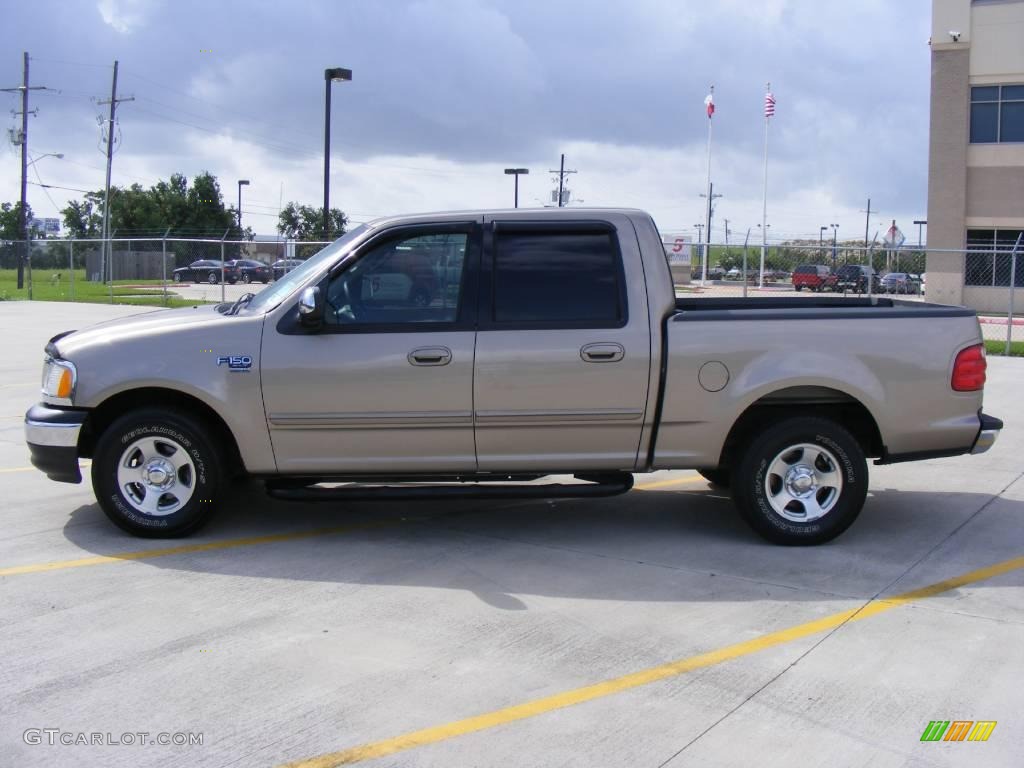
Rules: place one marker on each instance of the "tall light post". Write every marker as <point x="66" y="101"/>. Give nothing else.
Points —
<point x="821" y="242"/>
<point x="241" y="183"/>
<point x="700" y="247"/>
<point x="517" y="172"/>
<point x="920" y="223"/>
<point x="28" y="224"/>
<point x="331" y="75"/>
<point x="835" y="231"/>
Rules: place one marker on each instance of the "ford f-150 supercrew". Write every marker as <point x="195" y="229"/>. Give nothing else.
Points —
<point x="471" y="353"/>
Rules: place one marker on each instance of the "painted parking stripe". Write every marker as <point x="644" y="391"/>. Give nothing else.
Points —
<point x="185" y="549"/>
<point x="82" y="465"/>
<point x="670" y="482"/>
<point x="438" y="733"/>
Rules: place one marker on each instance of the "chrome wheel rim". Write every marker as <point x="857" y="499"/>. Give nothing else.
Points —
<point x="156" y="476"/>
<point x="803" y="482"/>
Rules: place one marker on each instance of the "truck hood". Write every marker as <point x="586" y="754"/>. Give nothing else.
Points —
<point x="144" y="324"/>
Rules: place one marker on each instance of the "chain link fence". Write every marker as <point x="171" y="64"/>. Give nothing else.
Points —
<point x="986" y="276"/>
<point x="155" y="271"/>
<point x="178" y="272"/>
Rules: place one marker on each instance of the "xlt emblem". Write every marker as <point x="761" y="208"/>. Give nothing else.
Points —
<point x="235" y="362"/>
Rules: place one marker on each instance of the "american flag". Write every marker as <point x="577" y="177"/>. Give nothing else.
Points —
<point x="709" y="102"/>
<point x="769" y="105"/>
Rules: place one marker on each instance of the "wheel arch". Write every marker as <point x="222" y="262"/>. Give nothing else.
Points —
<point x="120" y="403"/>
<point x="820" y="401"/>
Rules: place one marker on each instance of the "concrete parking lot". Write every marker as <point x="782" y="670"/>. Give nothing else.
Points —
<point x="651" y="629"/>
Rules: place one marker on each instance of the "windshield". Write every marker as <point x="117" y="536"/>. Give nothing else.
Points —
<point x="274" y="294"/>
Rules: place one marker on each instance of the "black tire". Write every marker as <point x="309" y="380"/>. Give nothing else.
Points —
<point x="751" y="495"/>
<point x="719" y="477"/>
<point x="212" y="278"/>
<point x="205" y="478"/>
<point x="798" y="288"/>
<point x="264" y="281"/>
<point x="246" y="278"/>
<point x="177" y="277"/>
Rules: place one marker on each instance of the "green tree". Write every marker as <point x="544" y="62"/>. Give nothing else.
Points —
<point x="82" y="218"/>
<point x="9" y="220"/>
<point x="304" y="222"/>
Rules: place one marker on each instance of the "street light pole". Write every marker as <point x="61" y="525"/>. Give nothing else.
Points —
<point x="835" y="231"/>
<point x="821" y="250"/>
<point x="241" y="183"/>
<point x="517" y="172"/>
<point x="331" y="74"/>
<point x="920" y="223"/>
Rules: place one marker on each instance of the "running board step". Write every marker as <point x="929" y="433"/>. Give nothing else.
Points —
<point x="596" y="486"/>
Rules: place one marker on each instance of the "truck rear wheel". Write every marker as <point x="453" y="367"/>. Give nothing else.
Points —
<point x="802" y="481"/>
<point x="157" y="474"/>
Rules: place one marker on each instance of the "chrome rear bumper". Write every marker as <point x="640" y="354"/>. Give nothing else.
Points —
<point x="990" y="427"/>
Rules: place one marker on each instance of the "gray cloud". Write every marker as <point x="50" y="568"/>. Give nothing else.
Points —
<point x="481" y="81"/>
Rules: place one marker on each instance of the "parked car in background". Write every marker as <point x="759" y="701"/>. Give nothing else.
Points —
<point x="206" y="271"/>
<point x="854" y="278"/>
<point x="282" y="267"/>
<point x="814" y="277"/>
<point x="901" y="282"/>
<point x="251" y="271"/>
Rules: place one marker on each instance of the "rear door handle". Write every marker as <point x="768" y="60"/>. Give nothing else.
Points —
<point x="430" y="356"/>
<point x="604" y="352"/>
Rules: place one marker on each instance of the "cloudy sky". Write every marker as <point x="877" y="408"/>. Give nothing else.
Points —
<point x="447" y="93"/>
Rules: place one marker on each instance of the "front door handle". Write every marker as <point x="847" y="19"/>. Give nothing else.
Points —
<point x="430" y="356"/>
<point x="606" y="352"/>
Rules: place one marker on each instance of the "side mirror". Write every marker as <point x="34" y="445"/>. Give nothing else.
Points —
<point x="311" y="308"/>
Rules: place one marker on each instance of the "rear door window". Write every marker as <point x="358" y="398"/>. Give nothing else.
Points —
<point x="563" y="278"/>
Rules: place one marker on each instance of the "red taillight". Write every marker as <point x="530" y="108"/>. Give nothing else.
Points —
<point x="969" y="369"/>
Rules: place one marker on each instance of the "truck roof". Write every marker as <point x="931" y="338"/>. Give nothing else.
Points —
<point x="579" y="212"/>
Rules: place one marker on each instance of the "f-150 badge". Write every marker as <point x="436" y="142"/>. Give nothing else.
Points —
<point x="239" y="363"/>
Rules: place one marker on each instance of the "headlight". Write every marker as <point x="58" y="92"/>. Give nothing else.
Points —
<point x="59" y="380"/>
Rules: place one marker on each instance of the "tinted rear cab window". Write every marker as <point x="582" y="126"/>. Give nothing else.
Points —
<point x="561" y="278"/>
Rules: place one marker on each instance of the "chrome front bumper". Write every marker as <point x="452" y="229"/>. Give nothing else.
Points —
<point x="990" y="427"/>
<point x="52" y="437"/>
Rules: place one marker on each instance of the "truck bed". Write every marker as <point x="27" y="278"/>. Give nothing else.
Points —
<point x="816" y="308"/>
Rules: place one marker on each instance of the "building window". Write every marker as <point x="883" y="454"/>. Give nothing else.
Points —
<point x="997" y="114"/>
<point x="989" y="259"/>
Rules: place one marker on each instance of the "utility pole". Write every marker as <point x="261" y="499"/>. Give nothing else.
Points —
<point x="867" y="227"/>
<point x="107" y="245"/>
<point x="23" y="138"/>
<point x="562" y="173"/>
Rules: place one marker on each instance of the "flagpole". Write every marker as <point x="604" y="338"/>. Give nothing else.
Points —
<point x="707" y="218"/>
<point x="764" y="202"/>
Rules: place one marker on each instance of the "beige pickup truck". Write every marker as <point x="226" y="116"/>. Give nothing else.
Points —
<point x="474" y="353"/>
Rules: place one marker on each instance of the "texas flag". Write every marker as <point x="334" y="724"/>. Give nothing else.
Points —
<point x="709" y="102"/>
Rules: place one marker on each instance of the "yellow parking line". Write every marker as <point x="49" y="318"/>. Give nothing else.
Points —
<point x="83" y="465"/>
<point x="148" y="554"/>
<point x="570" y="698"/>
<point x="666" y="483"/>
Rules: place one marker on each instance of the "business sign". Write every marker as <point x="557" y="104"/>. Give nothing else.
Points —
<point x="677" y="249"/>
<point x="50" y="226"/>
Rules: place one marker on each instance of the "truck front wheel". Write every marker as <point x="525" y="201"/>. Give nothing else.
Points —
<point x="157" y="474"/>
<point x="802" y="481"/>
